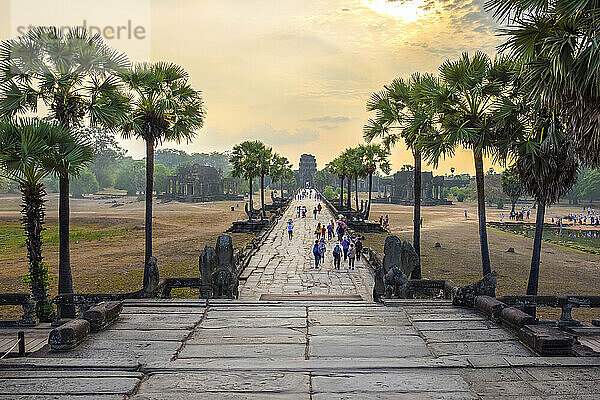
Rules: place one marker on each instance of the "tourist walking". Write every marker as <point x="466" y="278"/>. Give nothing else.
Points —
<point x="345" y="247"/>
<point x="330" y="229"/>
<point x="318" y="231"/>
<point x="323" y="229"/>
<point x="322" y="250"/>
<point x="315" y="212"/>
<point x="337" y="256"/>
<point x="319" y="208"/>
<point x="359" y="249"/>
<point x="290" y="229"/>
<point x="351" y="256"/>
<point x="316" y="254"/>
<point x="465" y="214"/>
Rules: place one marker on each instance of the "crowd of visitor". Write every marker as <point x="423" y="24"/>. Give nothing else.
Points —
<point x="343" y="247"/>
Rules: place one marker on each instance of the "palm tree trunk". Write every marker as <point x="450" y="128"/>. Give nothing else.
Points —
<point x="416" y="273"/>
<point x="356" y="191"/>
<point x="251" y="193"/>
<point x="513" y="206"/>
<point x="65" y="279"/>
<point x="281" y="188"/>
<point x="149" y="193"/>
<point x="341" y="192"/>
<point x="262" y="194"/>
<point x="349" y="201"/>
<point x="33" y="224"/>
<point x="370" y="190"/>
<point x="479" y="177"/>
<point x="534" y="272"/>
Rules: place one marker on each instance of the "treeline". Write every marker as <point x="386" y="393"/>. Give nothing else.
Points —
<point x="112" y="168"/>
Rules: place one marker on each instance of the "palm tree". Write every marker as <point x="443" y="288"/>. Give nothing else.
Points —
<point x="73" y="74"/>
<point x="245" y="163"/>
<point x="164" y="107"/>
<point x="511" y="185"/>
<point x="280" y="170"/>
<point x="374" y="157"/>
<point x="557" y="42"/>
<point x="265" y="155"/>
<point x="337" y="167"/>
<point x="355" y="169"/>
<point x="29" y="151"/>
<point x="546" y="164"/>
<point x="466" y="102"/>
<point x="401" y="112"/>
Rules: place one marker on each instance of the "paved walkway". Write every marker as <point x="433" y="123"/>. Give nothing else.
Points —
<point x="194" y="349"/>
<point x="286" y="267"/>
<point x="251" y="349"/>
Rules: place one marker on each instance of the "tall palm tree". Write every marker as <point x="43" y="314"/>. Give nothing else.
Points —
<point x="245" y="163"/>
<point x="73" y="74"/>
<point x="557" y="42"/>
<point x="337" y="167"/>
<point x="265" y="157"/>
<point x="401" y="112"/>
<point x="545" y="160"/>
<point x="374" y="157"/>
<point x="29" y="151"/>
<point x="466" y="102"/>
<point x="353" y="161"/>
<point x="280" y="170"/>
<point x="164" y="107"/>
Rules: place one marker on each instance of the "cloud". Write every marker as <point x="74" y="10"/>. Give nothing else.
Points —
<point x="328" y="118"/>
<point x="329" y="127"/>
<point x="219" y="138"/>
<point x="272" y="136"/>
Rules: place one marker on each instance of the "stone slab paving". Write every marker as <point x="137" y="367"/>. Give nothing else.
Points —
<point x="291" y="350"/>
<point x="286" y="267"/>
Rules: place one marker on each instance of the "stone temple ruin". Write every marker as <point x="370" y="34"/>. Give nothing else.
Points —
<point x="306" y="170"/>
<point x="432" y="189"/>
<point x="201" y="183"/>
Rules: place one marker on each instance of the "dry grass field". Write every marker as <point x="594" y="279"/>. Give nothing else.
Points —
<point x="107" y="242"/>
<point x="562" y="270"/>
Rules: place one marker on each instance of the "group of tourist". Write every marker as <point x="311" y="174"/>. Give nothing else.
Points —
<point x="582" y="219"/>
<point x="349" y="249"/>
<point x="300" y="212"/>
<point x="345" y="247"/>
<point x="515" y="215"/>
<point x="305" y="194"/>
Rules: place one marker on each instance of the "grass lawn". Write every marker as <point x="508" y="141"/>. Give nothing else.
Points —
<point x="107" y="242"/>
<point x="562" y="270"/>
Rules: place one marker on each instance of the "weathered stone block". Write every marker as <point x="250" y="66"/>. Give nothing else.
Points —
<point x="207" y="264"/>
<point x="515" y="319"/>
<point x="547" y="340"/>
<point x="69" y="335"/>
<point x="224" y="250"/>
<point x="151" y="286"/>
<point x="489" y="306"/>
<point x="102" y="315"/>
<point x="465" y="295"/>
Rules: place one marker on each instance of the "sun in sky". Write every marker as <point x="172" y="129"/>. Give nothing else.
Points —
<point x="402" y="10"/>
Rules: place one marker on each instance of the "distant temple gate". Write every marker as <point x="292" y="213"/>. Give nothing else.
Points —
<point x="201" y="183"/>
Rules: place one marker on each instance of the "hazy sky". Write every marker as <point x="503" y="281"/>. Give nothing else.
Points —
<point x="295" y="74"/>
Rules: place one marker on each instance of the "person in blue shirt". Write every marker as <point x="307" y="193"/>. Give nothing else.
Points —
<point x="290" y="229"/>
<point x="316" y="254"/>
<point x="337" y="256"/>
<point x="322" y="250"/>
<point x="345" y="247"/>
